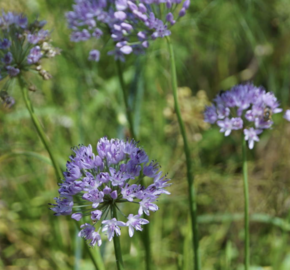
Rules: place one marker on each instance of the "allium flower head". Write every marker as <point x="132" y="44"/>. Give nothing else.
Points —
<point x="130" y="24"/>
<point x="22" y="45"/>
<point x="96" y="185"/>
<point x="244" y="107"/>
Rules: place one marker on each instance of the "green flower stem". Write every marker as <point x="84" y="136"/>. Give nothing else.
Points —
<point x="146" y="242"/>
<point x="145" y="237"/>
<point x="125" y="97"/>
<point x="191" y="191"/>
<point x="50" y="152"/>
<point x="38" y="126"/>
<point x="117" y="245"/>
<point x="246" y="195"/>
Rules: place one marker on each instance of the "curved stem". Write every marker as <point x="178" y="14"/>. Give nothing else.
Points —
<point x="46" y="145"/>
<point x="117" y="245"/>
<point x="246" y="195"/>
<point x="38" y="127"/>
<point x="125" y="97"/>
<point x="191" y="191"/>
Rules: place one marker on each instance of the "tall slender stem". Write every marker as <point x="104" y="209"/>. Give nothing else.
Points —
<point x="145" y="237"/>
<point x="246" y="196"/>
<point x="117" y="245"/>
<point x="190" y="178"/>
<point x="46" y="145"/>
<point x="38" y="127"/>
<point x="125" y="97"/>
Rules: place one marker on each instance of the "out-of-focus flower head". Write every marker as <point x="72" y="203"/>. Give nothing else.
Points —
<point x="96" y="185"/>
<point x="191" y="107"/>
<point x="130" y="24"/>
<point x="244" y="107"/>
<point x="22" y="45"/>
<point x="7" y="100"/>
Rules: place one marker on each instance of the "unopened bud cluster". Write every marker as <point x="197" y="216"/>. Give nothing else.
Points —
<point x="23" y="45"/>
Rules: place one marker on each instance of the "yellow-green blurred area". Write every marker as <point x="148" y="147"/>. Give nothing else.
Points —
<point x="218" y="44"/>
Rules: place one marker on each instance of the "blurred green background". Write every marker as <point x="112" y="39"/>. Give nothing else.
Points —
<point x="218" y="44"/>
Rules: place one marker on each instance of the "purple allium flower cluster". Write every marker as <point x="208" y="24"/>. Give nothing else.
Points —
<point x="130" y="24"/>
<point x="22" y="44"/>
<point x="244" y="107"/>
<point x="95" y="186"/>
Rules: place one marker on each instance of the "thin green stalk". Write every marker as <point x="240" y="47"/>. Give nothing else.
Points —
<point x="125" y="97"/>
<point x="190" y="178"/>
<point x="46" y="145"/>
<point x="117" y="245"/>
<point x="145" y="237"/>
<point x="38" y="126"/>
<point x="246" y="195"/>
<point x="146" y="242"/>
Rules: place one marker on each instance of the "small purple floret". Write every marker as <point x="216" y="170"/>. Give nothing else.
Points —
<point x="8" y="58"/>
<point x="111" y="227"/>
<point x="12" y="71"/>
<point x="94" y="55"/>
<point x="251" y="135"/>
<point x="135" y="222"/>
<point x="96" y="215"/>
<point x="34" y="55"/>
<point x="77" y="216"/>
<point x="88" y="232"/>
<point x="5" y="44"/>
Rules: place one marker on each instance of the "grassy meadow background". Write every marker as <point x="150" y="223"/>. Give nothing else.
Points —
<point x="218" y="44"/>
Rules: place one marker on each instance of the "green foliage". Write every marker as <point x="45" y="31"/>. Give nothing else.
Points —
<point x="218" y="44"/>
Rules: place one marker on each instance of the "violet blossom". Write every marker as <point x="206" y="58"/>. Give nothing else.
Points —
<point x="96" y="185"/>
<point x="130" y="24"/>
<point x="135" y="222"/>
<point x="244" y="107"/>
